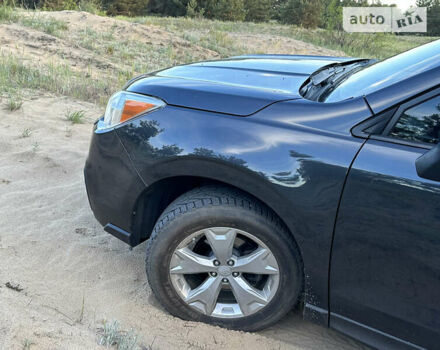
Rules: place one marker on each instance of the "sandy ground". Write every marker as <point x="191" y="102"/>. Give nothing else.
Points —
<point x="51" y="245"/>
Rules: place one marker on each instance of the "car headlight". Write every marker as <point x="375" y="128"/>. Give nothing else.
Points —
<point x="123" y="106"/>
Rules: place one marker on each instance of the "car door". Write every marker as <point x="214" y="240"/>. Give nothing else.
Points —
<point x="385" y="265"/>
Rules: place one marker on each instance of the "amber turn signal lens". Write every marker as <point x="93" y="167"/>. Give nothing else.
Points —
<point x="133" y="108"/>
<point x="124" y="106"/>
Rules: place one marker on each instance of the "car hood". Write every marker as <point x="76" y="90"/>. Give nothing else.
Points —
<point x="238" y="86"/>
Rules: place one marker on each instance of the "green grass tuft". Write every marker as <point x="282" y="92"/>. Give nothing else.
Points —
<point x="26" y="133"/>
<point x="14" y="103"/>
<point x="76" y="117"/>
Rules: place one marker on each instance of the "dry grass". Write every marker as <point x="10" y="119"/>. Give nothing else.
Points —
<point x="57" y="78"/>
<point x="45" y="24"/>
<point x="111" y="335"/>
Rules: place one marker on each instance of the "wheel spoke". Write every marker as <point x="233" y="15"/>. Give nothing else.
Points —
<point x="185" y="261"/>
<point x="260" y="262"/>
<point x="205" y="296"/>
<point x="221" y="242"/>
<point x="248" y="297"/>
<point x="200" y="272"/>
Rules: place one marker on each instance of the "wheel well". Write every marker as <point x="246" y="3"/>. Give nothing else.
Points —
<point x="153" y="201"/>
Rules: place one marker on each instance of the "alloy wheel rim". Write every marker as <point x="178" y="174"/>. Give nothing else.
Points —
<point x="224" y="272"/>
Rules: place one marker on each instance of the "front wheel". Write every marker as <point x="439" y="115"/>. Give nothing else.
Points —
<point x="219" y="256"/>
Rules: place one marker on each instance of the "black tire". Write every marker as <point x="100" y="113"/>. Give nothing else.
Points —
<point x="211" y="206"/>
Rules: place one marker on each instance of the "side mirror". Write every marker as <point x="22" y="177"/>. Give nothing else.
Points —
<point x="428" y="165"/>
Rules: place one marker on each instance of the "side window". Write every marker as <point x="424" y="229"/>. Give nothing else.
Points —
<point x="420" y="123"/>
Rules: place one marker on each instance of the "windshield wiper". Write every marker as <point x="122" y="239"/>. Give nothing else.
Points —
<point x="325" y="74"/>
<point x="325" y="78"/>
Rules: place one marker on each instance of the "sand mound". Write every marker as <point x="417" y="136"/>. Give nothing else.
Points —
<point x="124" y="30"/>
<point x="35" y="46"/>
<point x="88" y="43"/>
<point x="263" y="43"/>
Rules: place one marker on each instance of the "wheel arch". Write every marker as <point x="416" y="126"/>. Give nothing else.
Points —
<point x="158" y="195"/>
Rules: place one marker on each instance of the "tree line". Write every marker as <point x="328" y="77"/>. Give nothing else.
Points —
<point x="305" y="13"/>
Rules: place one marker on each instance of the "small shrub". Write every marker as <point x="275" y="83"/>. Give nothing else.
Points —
<point x="35" y="146"/>
<point x="110" y="49"/>
<point x="14" y="104"/>
<point x="26" y="133"/>
<point x="112" y="335"/>
<point x="75" y="117"/>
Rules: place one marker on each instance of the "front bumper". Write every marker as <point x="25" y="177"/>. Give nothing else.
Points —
<point x="113" y="184"/>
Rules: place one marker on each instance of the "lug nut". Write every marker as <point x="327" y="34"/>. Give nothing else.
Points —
<point x="216" y="263"/>
<point x="231" y="262"/>
<point x="214" y="274"/>
<point x="235" y="274"/>
<point x="225" y="280"/>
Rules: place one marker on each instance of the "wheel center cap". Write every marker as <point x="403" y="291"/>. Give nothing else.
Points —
<point x="224" y="271"/>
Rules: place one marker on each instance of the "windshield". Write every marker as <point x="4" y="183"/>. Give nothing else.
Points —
<point x="387" y="72"/>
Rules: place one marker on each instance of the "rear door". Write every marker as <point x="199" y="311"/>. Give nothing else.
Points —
<point x="385" y="267"/>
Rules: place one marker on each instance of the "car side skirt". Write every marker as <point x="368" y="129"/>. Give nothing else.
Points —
<point x="315" y="314"/>
<point x="368" y="335"/>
